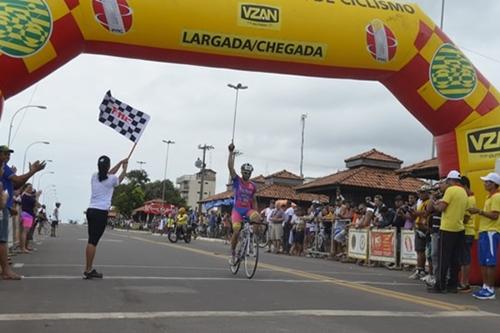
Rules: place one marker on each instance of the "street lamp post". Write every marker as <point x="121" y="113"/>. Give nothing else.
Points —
<point x="202" y="166"/>
<point x="168" y="143"/>
<point x="43" y="174"/>
<point x="237" y="87"/>
<point x="303" y="118"/>
<point x="141" y="163"/>
<point x="43" y="107"/>
<point x="29" y="146"/>
<point x="45" y="191"/>
<point x="34" y="176"/>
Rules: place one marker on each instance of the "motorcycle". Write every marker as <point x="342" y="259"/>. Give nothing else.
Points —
<point x="179" y="233"/>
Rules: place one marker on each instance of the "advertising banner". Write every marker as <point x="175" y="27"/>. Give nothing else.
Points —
<point x="383" y="245"/>
<point x="358" y="244"/>
<point x="408" y="254"/>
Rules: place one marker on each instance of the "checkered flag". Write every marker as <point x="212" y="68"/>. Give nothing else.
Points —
<point x="123" y="118"/>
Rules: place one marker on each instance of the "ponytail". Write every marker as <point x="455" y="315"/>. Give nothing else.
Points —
<point x="103" y="165"/>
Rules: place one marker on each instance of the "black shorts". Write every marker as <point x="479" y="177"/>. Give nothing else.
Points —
<point x="97" y="220"/>
<point x="466" y="253"/>
<point x="298" y="236"/>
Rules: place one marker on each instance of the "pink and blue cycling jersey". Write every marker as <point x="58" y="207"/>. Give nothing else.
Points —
<point x="244" y="193"/>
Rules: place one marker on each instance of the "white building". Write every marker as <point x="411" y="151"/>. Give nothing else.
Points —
<point x="189" y="187"/>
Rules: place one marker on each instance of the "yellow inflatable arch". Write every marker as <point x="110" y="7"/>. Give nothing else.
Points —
<point x="394" y="43"/>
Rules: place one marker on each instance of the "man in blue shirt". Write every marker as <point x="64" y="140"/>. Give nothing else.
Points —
<point x="10" y="181"/>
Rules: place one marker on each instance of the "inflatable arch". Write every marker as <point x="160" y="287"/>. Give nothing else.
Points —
<point x="394" y="43"/>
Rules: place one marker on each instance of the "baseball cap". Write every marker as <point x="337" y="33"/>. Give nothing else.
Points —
<point x="5" y="149"/>
<point x="454" y="174"/>
<point x="492" y="177"/>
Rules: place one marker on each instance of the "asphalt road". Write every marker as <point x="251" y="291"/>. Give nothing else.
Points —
<point x="151" y="285"/>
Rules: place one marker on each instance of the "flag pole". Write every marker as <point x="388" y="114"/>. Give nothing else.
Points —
<point x="132" y="150"/>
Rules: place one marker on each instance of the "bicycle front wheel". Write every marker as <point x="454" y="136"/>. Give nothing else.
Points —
<point x="251" y="256"/>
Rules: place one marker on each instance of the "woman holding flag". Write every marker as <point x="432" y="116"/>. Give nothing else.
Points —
<point x="103" y="184"/>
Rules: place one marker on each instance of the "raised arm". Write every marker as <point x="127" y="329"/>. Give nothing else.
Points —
<point x="19" y="181"/>
<point x="230" y="161"/>
<point x="124" y="165"/>
<point x="115" y="169"/>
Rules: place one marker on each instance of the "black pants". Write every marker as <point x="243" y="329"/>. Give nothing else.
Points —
<point x="451" y="245"/>
<point x="287" y="228"/>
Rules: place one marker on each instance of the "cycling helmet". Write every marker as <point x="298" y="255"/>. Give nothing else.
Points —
<point x="247" y="167"/>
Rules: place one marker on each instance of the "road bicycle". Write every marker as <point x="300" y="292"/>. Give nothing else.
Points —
<point x="247" y="250"/>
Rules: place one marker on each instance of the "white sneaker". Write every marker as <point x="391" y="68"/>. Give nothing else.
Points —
<point x="431" y="281"/>
<point x="416" y="275"/>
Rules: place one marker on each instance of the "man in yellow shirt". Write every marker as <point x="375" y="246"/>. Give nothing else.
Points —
<point x="470" y="234"/>
<point x="453" y="205"/>
<point x="489" y="236"/>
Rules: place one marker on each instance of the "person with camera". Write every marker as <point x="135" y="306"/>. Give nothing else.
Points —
<point x="421" y="229"/>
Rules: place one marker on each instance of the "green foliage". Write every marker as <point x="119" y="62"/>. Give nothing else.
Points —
<point x="154" y="190"/>
<point x="138" y="188"/>
<point x="128" y="197"/>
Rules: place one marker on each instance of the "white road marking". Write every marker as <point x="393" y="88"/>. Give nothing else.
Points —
<point x="240" y="314"/>
<point x="191" y="278"/>
<point x="194" y="268"/>
<point x="18" y="265"/>
<point x="168" y="278"/>
<point x="103" y="240"/>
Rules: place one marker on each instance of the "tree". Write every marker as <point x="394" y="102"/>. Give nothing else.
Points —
<point x="138" y="188"/>
<point x="154" y="190"/>
<point x="138" y="177"/>
<point x="127" y="197"/>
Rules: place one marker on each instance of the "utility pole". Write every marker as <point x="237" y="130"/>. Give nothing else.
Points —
<point x="303" y="118"/>
<point x="141" y="164"/>
<point x="205" y="147"/>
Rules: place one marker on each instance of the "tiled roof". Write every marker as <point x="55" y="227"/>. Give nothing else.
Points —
<point x="427" y="164"/>
<point x="284" y="174"/>
<point x="219" y="196"/>
<point x="259" y="179"/>
<point x="374" y="155"/>
<point x="274" y="191"/>
<point x="289" y="193"/>
<point x="366" y="177"/>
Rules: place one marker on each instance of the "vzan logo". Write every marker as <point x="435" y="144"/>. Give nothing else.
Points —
<point x="252" y="15"/>
<point x="484" y="141"/>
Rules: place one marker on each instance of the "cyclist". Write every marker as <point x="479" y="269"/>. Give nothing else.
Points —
<point x="245" y="201"/>
<point x="182" y="221"/>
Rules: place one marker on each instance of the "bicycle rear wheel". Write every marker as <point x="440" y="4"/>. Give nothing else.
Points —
<point x="262" y="236"/>
<point x="251" y="256"/>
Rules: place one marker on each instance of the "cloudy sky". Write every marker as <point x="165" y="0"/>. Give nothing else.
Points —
<point x="192" y="105"/>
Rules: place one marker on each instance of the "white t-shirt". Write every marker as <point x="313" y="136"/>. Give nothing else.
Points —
<point x="267" y="213"/>
<point x="102" y="192"/>
<point x="289" y="213"/>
